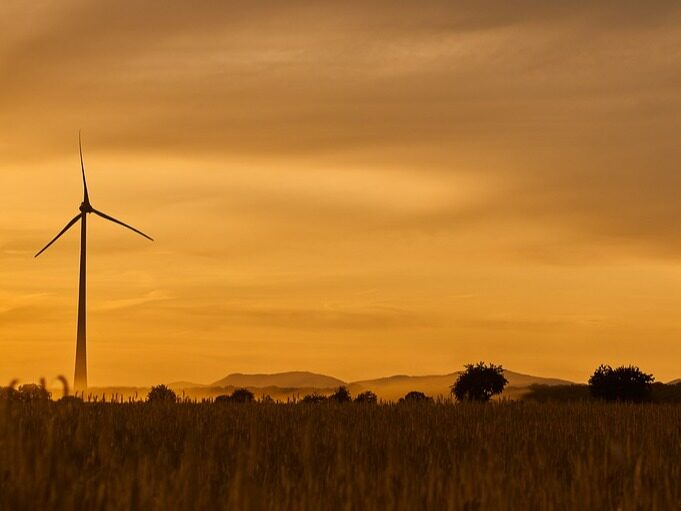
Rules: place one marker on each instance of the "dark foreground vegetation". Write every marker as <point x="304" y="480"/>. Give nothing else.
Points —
<point x="413" y="455"/>
<point x="658" y="393"/>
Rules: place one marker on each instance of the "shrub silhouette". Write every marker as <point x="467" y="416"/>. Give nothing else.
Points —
<point x="479" y="382"/>
<point x="625" y="383"/>
<point x="669" y="393"/>
<point x="315" y="397"/>
<point x="557" y="393"/>
<point x="242" y="396"/>
<point x="366" y="397"/>
<point x="161" y="394"/>
<point x="416" y="397"/>
<point x="9" y="394"/>
<point x="74" y="400"/>
<point x="342" y="395"/>
<point x="32" y="393"/>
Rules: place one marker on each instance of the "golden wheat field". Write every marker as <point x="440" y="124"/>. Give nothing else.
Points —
<point x="509" y="455"/>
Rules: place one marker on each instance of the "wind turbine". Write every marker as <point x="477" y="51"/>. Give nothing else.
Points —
<point x="80" y="378"/>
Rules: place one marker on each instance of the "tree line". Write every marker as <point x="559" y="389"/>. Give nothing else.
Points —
<point x="477" y="383"/>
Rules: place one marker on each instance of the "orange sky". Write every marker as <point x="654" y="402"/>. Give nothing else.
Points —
<point x="350" y="189"/>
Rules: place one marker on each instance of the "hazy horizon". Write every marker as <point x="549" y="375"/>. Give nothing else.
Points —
<point x="355" y="190"/>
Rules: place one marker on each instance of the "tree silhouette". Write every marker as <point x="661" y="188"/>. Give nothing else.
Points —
<point x="9" y="394"/>
<point x="72" y="400"/>
<point x="416" y="397"/>
<point x="479" y="382"/>
<point x="342" y="395"/>
<point x="315" y="397"/>
<point x="366" y="397"/>
<point x="242" y="396"/>
<point x="625" y="383"/>
<point x="161" y="394"/>
<point x="31" y="393"/>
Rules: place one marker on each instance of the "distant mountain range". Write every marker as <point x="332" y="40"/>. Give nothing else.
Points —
<point x="297" y="383"/>
<point x="291" y="379"/>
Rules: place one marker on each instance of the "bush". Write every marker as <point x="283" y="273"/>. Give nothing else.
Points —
<point x="366" y="397"/>
<point x="242" y="396"/>
<point x="315" y="397"/>
<point x="669" y="393"/>
<point x="625" y="383"/>
<point x="479" y="382"/>
<point x="9" y="394"/>
<point x="416" y="397"/>
<point x="557" y="393"/>
<point x="161" y="394"/>
<point x="33" y="393"/>
<point x="238" y="396"/>
<point x="342" y="395"/>
<point x="71" y="400"/>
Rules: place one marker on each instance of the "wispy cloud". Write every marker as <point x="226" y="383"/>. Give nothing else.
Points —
<point x="126" y="303"/>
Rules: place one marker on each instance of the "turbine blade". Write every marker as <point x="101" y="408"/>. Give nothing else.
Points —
<point x="103" y="215"/>
<point x="86" y="197"/>
<point x="68" y="226"/>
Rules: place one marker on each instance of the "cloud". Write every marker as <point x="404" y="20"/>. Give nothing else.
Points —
<point x="231" y="78"/>
<point x="514" y="324"/>
<point x="571" y="119"/>
<point x="328" y="319"/>
<point x="10" y="303"/>
<point x="126" y="303"/>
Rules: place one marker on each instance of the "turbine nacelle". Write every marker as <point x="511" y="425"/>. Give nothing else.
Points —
<point x="86" y="208"/>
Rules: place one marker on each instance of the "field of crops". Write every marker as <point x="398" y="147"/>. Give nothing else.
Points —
<point x="513" y="455"/>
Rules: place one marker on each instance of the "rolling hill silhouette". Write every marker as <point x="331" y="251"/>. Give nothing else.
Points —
<point x="296" y="384"/>
<point x="290" y="379"/>
<point x="387" y="388"/>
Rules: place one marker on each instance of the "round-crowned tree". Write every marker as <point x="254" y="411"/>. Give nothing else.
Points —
<point x="242" y="396"/>
<point x="624" y="383"/>
<point x="415" y="397"/>
<point x="315" y="397"/>
<point x="32" y="393"/>
<point x="366" y="397"/>
<point x="342" y="395"/>
<point x="161" y="394"/>
<point x="479" y="382"/>
<point x="9" y="394"/>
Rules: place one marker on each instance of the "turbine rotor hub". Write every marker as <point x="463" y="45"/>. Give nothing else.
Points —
<point x="85" y="207"/>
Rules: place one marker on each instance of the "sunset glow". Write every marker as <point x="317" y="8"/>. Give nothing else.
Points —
<point x="348" y="189"/>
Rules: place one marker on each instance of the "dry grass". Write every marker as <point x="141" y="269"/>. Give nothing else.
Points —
<point x="204" y="456"/>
